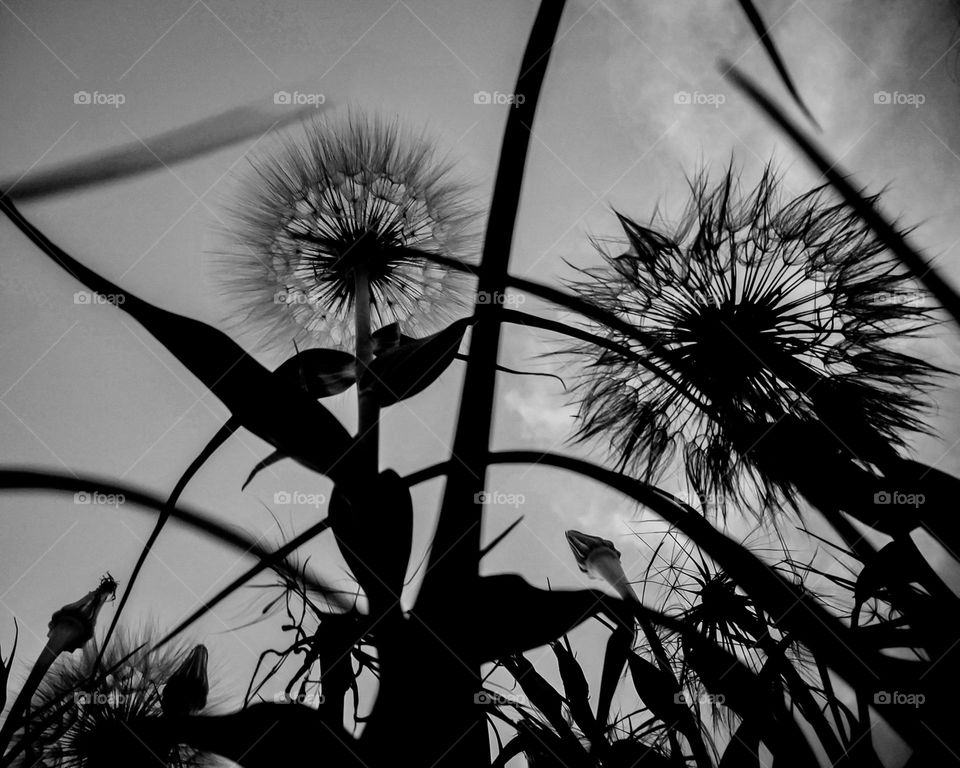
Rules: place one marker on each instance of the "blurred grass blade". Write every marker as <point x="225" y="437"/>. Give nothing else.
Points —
<point x="490" y="547"/>
<point x="766" y="40"/>
<point x="32" y="480"/>
<point x="166" y="149"/>
<point x="885" y="231"/>
<point x="285" y="417"/>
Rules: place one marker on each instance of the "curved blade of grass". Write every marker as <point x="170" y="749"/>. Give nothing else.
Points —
<point x="917" y="264"/>
<point x="457" y="540"/>
<point x="284" y="416"/>
<point x="23" y="479"/>
<point x="766" y="40"/>
<point x="453" y="571"/>
<point x="208" y="450"/>
<point x="161" y="151"/>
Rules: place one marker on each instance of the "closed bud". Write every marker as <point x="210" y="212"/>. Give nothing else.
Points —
<point x="186" y="690"/>
<point x="72" y="626"/>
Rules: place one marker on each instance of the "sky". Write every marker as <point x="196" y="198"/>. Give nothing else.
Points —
<point x="83" y="388"/>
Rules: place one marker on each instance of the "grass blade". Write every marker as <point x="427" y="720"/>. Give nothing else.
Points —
<point x="161" y="151"/>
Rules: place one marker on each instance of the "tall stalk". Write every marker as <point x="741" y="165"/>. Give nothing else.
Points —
<point x="368" y="412"/>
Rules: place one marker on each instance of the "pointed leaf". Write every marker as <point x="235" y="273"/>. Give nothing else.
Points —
<point x="386" y="338"/>
<point x="413" y="365"/>
<point x="575" y="688"/>
<point x="539" y="692"/>
<point x="284" y="416"/>
<point x="614" y="660"/>
<point x="658" y="691"/>
<point x="319" y="372"/>
<point x="373" y="525"/>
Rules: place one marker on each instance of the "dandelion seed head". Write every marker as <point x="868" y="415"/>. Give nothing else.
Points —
<point x="359" y="193"/>
<point x="751" y="311"/>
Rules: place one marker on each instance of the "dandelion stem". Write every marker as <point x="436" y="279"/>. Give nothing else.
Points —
<point x="368" y="418"/>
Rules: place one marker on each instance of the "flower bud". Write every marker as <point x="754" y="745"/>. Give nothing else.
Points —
<point x="72" y="626"/>
<point x="186" y="690"/>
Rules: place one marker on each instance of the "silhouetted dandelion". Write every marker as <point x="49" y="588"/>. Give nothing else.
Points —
<point x="761" y="311"/>
<point x="81" y="713"/>
<point x="360" y="197"/>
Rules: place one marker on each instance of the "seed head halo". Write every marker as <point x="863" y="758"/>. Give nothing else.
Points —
<point x="750" y="298"/>
<point x="358" y="192"/>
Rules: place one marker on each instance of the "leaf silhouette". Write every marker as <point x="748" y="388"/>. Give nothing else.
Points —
<point x="412" y="365"/>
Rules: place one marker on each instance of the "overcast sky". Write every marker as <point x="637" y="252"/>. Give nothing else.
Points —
<point x="83" y="388"/>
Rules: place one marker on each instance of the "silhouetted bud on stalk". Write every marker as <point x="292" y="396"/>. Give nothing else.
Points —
<point x="599" y="559"/>
<point x="186" y="691"/>
<point x="72" y="626"/>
